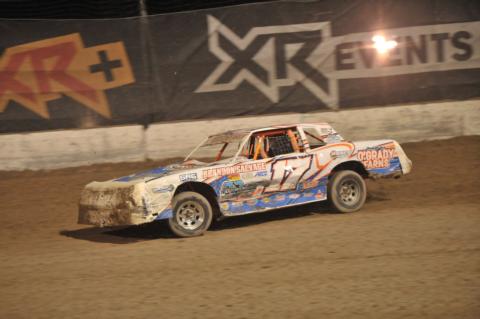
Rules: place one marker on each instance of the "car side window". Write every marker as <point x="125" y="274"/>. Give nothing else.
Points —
<point x="273" y="143"/>
<point x="278" y="145"/>
<point x="255" y="149"/>
<point x="313" y="137"/>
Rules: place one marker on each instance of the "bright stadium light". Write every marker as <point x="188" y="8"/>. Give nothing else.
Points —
<point x="383" y="45"/>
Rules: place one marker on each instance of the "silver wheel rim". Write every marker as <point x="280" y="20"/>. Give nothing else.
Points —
<point x="349" y="192"/>
<point x="190" y="215"/>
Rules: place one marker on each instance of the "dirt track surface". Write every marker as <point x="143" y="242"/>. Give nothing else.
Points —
<point x="413" y="251"/>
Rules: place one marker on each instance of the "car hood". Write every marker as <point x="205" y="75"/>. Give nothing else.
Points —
<point x="158" y="172"/>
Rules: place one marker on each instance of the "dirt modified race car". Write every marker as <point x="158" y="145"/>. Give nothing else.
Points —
<point x="246" y="171"/>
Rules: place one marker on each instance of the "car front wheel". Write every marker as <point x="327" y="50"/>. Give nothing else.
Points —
<point x="192" y="214"/>
<point x="347" y="191"/>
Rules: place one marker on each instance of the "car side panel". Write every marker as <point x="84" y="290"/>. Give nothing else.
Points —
<point x="262" y="185"/>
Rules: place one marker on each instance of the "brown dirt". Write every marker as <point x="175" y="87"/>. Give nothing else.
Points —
<point x="412" y="251"/>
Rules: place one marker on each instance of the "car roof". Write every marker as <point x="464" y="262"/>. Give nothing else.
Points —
<point x="243" y="132"/>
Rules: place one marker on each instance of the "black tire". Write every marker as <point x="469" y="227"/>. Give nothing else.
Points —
<point x="346" y="191"/>
<point x="192" y="215"/>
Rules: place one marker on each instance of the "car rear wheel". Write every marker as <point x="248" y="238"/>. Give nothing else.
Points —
<point x="192" y="214"/>
<point x="347" y="191"/>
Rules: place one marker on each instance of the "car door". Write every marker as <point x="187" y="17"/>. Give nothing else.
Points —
<point x="272" y="175"/>
<point x="288" y="163"/>
<point x="287" y="171"/>
<point x="250" y="177"/>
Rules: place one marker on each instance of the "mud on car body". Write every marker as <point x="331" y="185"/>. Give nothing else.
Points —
<point x="246" y="171"/>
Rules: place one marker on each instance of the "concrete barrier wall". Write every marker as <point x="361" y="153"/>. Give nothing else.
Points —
<point x="48" y="150"/>
<point x="403" y="123"/>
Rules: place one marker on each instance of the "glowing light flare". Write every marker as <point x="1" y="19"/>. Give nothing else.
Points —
<point x="382" y="45"/>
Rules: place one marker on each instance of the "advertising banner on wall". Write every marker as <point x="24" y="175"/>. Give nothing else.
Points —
<point x="70" y="74"/>
<point x="267" y="58"/>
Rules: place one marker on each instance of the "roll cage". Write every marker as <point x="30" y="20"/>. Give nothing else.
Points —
<point x="269" y="142"/>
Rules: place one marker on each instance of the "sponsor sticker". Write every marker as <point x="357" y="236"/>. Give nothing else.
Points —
<point x="338" y="154"/>
<point x="376" y="157"/>
<point x="307" y="185"/>
<point x="261" y="174"/>
<point x="232" y="187"/>
<point x="188" y="177"/>
<point x="236" y="169"/>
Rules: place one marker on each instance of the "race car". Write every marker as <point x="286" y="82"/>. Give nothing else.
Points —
<point x="246" y="171"/>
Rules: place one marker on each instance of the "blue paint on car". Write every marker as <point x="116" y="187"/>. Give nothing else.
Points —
<point x="393" y="167"/>
<point x="152" y="174"/>
<point x="165" y="214"/>
<point x="277" y="199"/>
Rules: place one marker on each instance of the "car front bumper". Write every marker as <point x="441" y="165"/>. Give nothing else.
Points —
<point x="106" y="205"/>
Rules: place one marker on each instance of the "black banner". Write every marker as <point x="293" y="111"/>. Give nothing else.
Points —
<point x="244" y="60"/>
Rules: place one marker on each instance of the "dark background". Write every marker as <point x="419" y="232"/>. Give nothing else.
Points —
<point x="103" y="9"/>
<point x="170" y="57"/>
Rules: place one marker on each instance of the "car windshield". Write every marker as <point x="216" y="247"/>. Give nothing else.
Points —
<point x="222" y="147"/>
